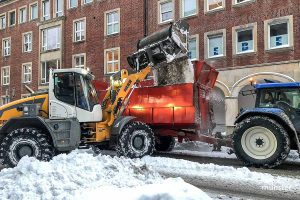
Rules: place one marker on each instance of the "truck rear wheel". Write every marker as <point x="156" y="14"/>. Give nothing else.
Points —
<point x="261" y="142"/>
<point x="136" y="140"/>
<point x="164" y="143"/>
<point x="25" y="142"/>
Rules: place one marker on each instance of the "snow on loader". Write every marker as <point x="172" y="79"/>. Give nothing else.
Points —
<point x="68" y="115"/>
<point x="265" y="134"/>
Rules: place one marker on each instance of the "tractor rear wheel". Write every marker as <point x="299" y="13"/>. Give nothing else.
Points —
<point x="135" y="140"/>
<point x="164" y="143"/>
<point x="261" y="142"/>
<point x="25" y="142"/>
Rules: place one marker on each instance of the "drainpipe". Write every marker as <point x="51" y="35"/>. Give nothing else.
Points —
<point x="145" y="18"/>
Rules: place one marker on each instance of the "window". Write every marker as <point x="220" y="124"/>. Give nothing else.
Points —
<point x="27" y="42"/>
<point x="87" y="1"/>
<point x="79" y="30"/>
<point x="64" y="88"/>
<point x="112" y="22"/>
<point x="279" y="33"/>
<point x="33" y="11"/>
<point x="45" y="67"/>
<point x="79" y="61"/>
<point x="165" y="11"/>
<point x="214" y="5"/>
<point x="2" y="21"/>
<point x="245" y="42"/>
<point x="5" y="75"/>
<point x="189" y="7"/>
<point x="112" y="62"/>
<point x="5" y="100"/>
<point x="46" y="9"/>
<point x="6" y="46"/>
<point x="27" y="72"/>
<point x="73" y="3"/>
<point x="22" y="15"/>
<point x="193" y="48"/>
<point x="58" y="8"/>
<point x="51" y="38"/>
<point x="215" y="44"/>
<point x="12" y="18"/>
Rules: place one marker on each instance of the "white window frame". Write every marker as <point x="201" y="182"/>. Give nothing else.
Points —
<point x="206" y="7"/>
<point x="43" y="9"/>
<point x="20" y="15"/>
<point x="82" y="31"/>
<point x="7" y="97"/>
<point x="7" y="80"/>
<point x="84" y="2"/>
<point x="268" y="23"/>
<point x="11" y="11"/>
<point x="107" y="62"/>
<point x="207" y="35"/>
<point x="69" y="4"/>
<point x="44" y="79"/>
<point x="55" y="11"/>
<point x="235" y="3"/>
<point x="74" y="60"/>
<point x="182" y="9"/>
<point x="23" y="96"/>
<point x="29" y="43"/>
<point x="28" y="74"/>
<point x="31" y="12"/>
<point x="5" y="23"/>
<point x="160" y="13"/>
<point x="197" y="46"/>
<point x="44" y="46"/>
<point x="6" y="47"/>
<point x="237" y="29"/>
<point x="106" y="24"/>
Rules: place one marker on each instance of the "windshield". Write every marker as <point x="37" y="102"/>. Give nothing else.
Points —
<point x="86" y="97"/>
<point x="270" y="97"/>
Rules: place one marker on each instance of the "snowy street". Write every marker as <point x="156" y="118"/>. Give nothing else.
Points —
<point x="83" y="174"/>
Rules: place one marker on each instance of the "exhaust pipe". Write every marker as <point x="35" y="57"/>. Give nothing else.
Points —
<point x="160" y="47"/>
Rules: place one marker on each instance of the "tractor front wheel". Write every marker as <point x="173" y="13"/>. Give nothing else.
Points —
<point x="135" y="140"/>
<point x="261" y="142"/>
<point x="25" y="142"/>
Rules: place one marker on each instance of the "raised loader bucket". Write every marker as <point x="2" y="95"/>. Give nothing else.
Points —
<point x="163" y="46"/>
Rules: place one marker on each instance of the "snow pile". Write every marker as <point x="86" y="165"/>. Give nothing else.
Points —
<point x="80" y="174"/>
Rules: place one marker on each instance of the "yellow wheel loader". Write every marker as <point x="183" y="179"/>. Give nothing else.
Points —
<point x="68" y="115"/>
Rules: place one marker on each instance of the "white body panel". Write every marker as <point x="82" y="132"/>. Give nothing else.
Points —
<point x="87" y="116"/>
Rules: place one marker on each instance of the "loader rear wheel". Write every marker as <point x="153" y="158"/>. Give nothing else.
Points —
<point x="25" y="142"/>
<point x="261" y="142"/>
<point x="164" y="143"/>
<point x="135" y="140"/>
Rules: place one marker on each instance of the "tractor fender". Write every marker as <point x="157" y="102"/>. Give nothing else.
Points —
<point x="54" y="128"/>
<point x="117" y="127"/>
<point x="276" y="114"/>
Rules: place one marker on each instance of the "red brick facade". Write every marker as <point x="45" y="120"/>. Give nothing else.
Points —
<point x="132" y="29"/>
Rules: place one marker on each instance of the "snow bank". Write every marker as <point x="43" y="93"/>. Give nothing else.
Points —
<point x="84" y="176"/>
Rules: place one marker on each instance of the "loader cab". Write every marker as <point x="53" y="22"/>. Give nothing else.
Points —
<point x="72" y="95"/>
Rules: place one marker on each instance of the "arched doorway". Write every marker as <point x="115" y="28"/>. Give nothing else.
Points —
<point x="217" y="100"/>
<point x="246" y="97"/>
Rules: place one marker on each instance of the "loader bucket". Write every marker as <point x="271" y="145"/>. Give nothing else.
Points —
<point x="162" y="46"/>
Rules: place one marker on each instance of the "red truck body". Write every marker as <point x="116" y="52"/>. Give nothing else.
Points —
<point x="173" y="109"/>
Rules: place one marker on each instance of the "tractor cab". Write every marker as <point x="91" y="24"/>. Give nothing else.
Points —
<point x="72" y="95"/>
<point x="285" y="96"/>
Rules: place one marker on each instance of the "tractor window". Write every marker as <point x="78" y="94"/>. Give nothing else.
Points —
<point x="64" y="87"/>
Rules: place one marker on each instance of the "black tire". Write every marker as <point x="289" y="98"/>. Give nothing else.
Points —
<point x="25" y="141"/>
<point x="277" y="142"/>
<point x="135" y="140"/>
<point x="164" y="143"/>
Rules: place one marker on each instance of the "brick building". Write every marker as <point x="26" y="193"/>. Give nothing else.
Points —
<point x="247" y="40"/>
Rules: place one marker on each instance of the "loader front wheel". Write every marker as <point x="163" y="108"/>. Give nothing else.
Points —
<point x="135" y="140"/>
<point x="25" y="142"/>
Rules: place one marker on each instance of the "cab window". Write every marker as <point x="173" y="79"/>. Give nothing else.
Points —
<point x="64" y="87"/>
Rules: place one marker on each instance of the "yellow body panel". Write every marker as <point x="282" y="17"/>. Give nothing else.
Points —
<point x="9" y="110"/>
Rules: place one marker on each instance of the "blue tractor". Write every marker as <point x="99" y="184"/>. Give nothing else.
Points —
<point x="264" y="135"/>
